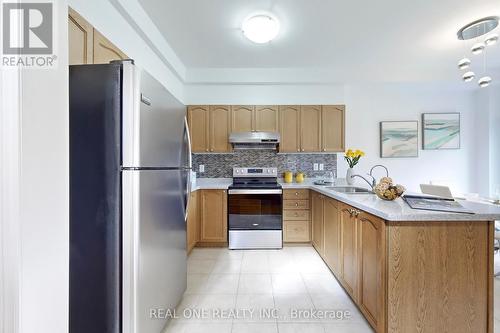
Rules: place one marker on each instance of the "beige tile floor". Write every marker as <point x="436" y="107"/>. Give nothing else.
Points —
<point x="264" y="280"/>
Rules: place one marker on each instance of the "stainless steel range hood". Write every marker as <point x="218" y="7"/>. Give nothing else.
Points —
<point x="255" y="140"/>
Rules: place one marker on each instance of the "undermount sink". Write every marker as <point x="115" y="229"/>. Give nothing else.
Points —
<point x="350" y="189"/>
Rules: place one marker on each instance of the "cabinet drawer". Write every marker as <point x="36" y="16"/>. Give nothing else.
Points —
<point x="296" y="231"/>
<point x="296" y="215"/>
<point x="296" y="194"/>
<point x="295" y="204"/>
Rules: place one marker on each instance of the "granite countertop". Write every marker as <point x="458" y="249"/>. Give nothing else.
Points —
<point x="396" y="210"/>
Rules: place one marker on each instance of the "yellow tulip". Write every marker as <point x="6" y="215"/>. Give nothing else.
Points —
<point x="349" y="153"/>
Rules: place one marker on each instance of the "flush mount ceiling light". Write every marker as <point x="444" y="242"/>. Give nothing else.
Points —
<point x="464" y="63"/>
<point x="261" y="28"/>
<point x="478" y="28"/>
<point x="491" y="39"/>
<point x="469" y="76"/>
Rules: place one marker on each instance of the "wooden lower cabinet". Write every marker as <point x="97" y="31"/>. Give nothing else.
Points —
<point x="317" y="221"/>
<point x="296" y="216"/>
<point x="331" y="238"/>
<point x="192" y="232"/>
<point x="213" y="216"/>
<point x="348" y="254"/>
<point x="410" y="276"/>
<point x="371" y="269"/>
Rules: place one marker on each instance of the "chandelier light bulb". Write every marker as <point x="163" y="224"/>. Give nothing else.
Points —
<point x="477" y="48"/>
<point x="491" y="39"/>
<point x="260" y="28"/>
<point x="484" y="81"/>
<point x="464" y="63"/>
<point x="469" y="76"/>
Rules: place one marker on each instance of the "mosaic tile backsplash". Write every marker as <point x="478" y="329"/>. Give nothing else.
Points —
<point x="221" y="165"/>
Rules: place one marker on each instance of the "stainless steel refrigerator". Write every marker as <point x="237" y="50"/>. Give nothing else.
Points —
<point x="130" y="162"/>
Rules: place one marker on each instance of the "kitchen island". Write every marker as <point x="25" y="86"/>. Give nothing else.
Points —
<point x="407" y="270"/>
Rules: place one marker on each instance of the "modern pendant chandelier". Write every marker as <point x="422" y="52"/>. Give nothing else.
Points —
<point x="475" y="31"/>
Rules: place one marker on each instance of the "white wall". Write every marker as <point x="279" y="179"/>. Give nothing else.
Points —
<point x="44" y="192"/>
<point x="149" y="50"/>
<point x="366" y="106"/>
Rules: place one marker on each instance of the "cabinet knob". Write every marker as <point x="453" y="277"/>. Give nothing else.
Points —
<point x="206" y="149"/>
<point x="296" y="204"/>
<point x="324" y="149"/>
<point x="211" y="149"/>
<point x="302" y="149"/>
<point x="296" y="193"/>
<point x="298" y="149"/>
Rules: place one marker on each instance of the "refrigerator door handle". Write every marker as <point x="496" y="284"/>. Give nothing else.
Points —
<point x="189" y="167"/>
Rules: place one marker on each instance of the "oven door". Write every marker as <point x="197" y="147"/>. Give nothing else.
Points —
<point x="255" y="209"/>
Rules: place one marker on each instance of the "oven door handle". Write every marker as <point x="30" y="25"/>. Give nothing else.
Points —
<point x="262" y="191"/>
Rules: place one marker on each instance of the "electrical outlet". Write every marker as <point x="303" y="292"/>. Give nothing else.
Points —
<point x="321" y="167"/>
<point x="315" y="166"/>
<point x="202" y="168"/>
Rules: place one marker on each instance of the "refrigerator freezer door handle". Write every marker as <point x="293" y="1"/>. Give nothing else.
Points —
<point x="189" y="166"/>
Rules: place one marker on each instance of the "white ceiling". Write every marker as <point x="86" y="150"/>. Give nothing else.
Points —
<point x="323" y="40"/>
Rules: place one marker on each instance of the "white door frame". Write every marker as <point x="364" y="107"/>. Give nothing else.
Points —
<point x="10" y="170"/>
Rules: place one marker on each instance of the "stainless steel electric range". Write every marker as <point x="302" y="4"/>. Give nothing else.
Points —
<point x="255" y="209"/>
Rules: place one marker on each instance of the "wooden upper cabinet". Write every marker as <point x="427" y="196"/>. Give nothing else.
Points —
<point x="266" y="118"/>
<point x="213" y="211"/>
<point x="332" y="128"/>
<point x="371" y="268"/>
<point x="349" y="251"/>
<point x="220" y="127"/>
<point x="310" y="132"/>
<point x="242" y="118"/>
<point x="198" y="119"/>
<point x="317" y="222"/>
<point x="289" y="118"/>
<point x="332" y="234"/>
<point x="80" y="39"/>
<point x="105" y="51"/>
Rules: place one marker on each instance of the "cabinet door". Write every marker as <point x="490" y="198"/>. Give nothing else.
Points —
<point x="348" y="253"/>
<point x="213" y="211"/>
<point x="310" y="124"/>
<point x="317" y="222"/>
<point x="332" y="235"/>
<point x="266" y="118"/>
<point x="198" y="127"/>
<point x="296" y="231"/>
<point x="289" y="116"/>
<point x="80" y="39"/>
<point x="192" y="222"/>
<point x="105" y="51"/>
<point x="220" y="118"/>
<point x="242" y="118"/>
<point x="371" y="267"/>
<point x="332" y="128"/>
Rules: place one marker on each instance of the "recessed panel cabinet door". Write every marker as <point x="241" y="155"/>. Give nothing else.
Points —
<point x="198" y="127"/>
<point x="371" y="258"/>
<point x="105" y="51"/>
<point x="289" y="116"/>
<point x="220" y="128"/>
<point x="242" y="118"/>
<point x="310" y="122"/>
<point x="266" y="118"/>
<point x="349" y="253"/>
<point x="317" y="222"/>
<point x="213" y="216"/>
<point x="332" y="234"/>
<point x="332" y="128"/>
<point x="80" y="39"/>
<point x="192" y="222"/>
